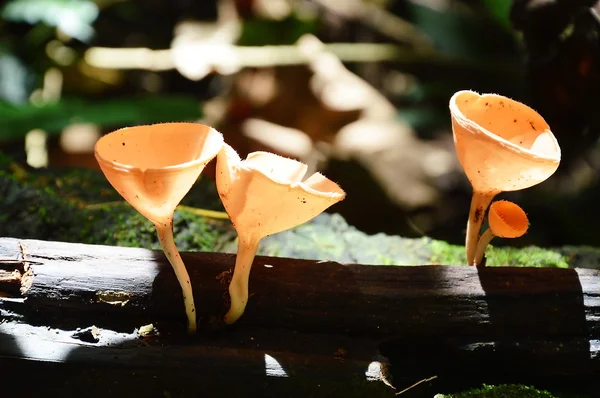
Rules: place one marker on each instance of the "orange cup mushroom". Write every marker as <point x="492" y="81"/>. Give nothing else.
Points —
<point x="153" y="167"/>
<point x="263" y="195"/>
<point x="502" y="145"/>
<point x="506" y="220"/>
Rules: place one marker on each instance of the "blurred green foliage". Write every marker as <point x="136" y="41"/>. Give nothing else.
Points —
<point x="261" y="32"/>
<point x="27" y="29"/>
<point x="500" y="11"/>
<point x="53" y="117"/>
<point x="74" y="17"/>
<point x="462" y="33"/>
<point x="473" y="39"/>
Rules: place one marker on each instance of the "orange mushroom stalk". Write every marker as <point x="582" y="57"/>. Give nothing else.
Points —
<point x="264" y="195"/>
<point x="153" y="167"/>
<point x="507" y="220"/>
<point x="502" y="145"/>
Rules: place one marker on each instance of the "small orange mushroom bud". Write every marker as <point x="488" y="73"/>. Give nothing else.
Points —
<point x="507" y="220"/>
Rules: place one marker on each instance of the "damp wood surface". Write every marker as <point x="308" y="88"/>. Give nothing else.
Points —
<point x="71" y="313"/>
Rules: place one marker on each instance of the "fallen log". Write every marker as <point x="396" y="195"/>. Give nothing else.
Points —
<point x="310" y="328"/>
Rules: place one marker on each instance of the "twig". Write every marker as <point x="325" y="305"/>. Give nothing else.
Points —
<point x="186" y="209"/>
<point x="416" y="384"/>
<point x="95" y="206"/>
<point x="203" y="212"/>
<point x="266" y="56"/>
<point x="159" y="60"/>
<point x="18" y="170"/>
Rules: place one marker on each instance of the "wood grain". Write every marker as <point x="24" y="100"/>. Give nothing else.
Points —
<point x="326" y="323"/>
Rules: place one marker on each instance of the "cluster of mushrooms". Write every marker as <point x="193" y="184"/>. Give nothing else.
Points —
<point x="502" y="145"/>
<point x="153" y="167"/>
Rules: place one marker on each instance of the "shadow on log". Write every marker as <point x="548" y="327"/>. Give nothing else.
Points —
<point x="310" y="328"/>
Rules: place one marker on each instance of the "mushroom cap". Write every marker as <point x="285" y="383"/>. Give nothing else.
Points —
<point x="154" y="166"/>
<point x="265" y="194"/>
<point x="507" y="219"/>
<point x="502" y="144"/>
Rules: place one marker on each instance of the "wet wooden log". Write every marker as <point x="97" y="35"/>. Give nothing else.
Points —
<point x="311" y="328"/>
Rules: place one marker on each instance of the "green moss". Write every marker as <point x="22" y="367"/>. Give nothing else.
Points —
<point x="52" y="207"/>
<point x="130" y="228"/>
<point x="446" y="254"/>
<point x="530" y="256"/>
<point x="79" y="185"/>
<point x="91" y="187"/>
<point x="501" y="391"/>
<point x="329" y="237"/>
<point x="194" y="233"/>
<point x="126" y="227"/>
<point x="30" y="212"/>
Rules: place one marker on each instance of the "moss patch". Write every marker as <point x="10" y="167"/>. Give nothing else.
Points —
<point x="530" y="256"/>
<point x="501" y="391"/>
<point x="444" y="253"/>
<point x="55" y="207"/>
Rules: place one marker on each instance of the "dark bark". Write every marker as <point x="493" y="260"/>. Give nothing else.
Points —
<point x="324" y="322"/>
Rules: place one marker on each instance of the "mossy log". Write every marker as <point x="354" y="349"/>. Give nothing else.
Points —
<point x="311" y="328"/>
<point x="79" y="205"/>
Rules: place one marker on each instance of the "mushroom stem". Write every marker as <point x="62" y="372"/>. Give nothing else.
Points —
<point x="484" y="241"/>
<point x="165" y="236"/>
<point x="479" y="204"/>
<point x="238" y="287"/>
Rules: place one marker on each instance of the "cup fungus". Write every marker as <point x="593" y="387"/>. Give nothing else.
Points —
<point x="507" y="220"/>
<point x="264" y="195"/>
<point x="502" y="145"/>
<point x="153" y="167"/>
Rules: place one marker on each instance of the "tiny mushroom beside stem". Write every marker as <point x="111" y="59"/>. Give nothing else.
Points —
<point x="263" y="195"/>
<point x="506" y="220"/>
<point x="153" y="167"/>
<point x="502" y="145"/>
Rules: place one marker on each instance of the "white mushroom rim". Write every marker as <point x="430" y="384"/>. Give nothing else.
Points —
<point x="262" y="163"/>
<point x="517" y="149"/>
<point x="173" y="168"/>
